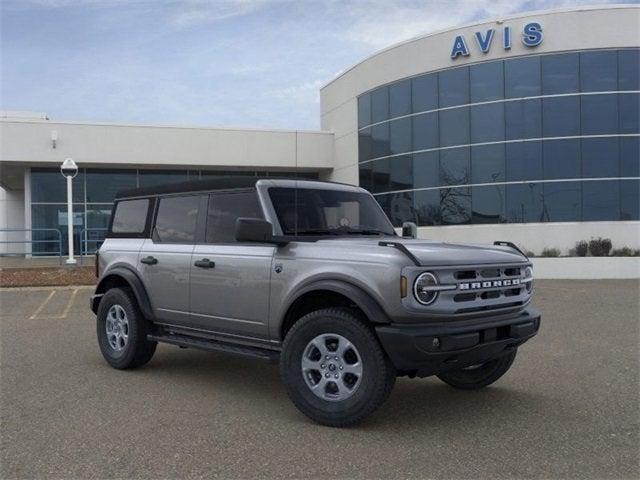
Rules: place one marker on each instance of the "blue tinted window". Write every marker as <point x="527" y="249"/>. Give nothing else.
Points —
<point x="523" y="119"/>
<point x="560" y="73"/>
<point x="600" y="157"/>
<point x="425" y="131"/>
<point x="380" y="104"/>
<point x="380" y="140"/>
<point x="364" y="110"/>
<point x="454" y="127"/>
<point x="102" y="185"/>
<point x="598" y="71"/>
<point x="630" y="157"/>
<point x="426" y="169"/>
<point x="400" y="135"/>
<point x="427" y="207"/>
<point x="401" y="208"/>
<point x="629" y="112"/>
<point x="487" y="81"/>
<point x="561" y="159"/>
<point x="365" y="177"/>
<point x="561" y="116"/>
<point x="454" y="87"/>
<point x="630" y="200"/>
<point x="53" y="216"/>
<point x="522" y="77"/>
<point x="381" y="175"/>
<point x="455" y="205"/>
<point x="599" y="114"/>
<point x="524" y="203"/>
<point x="562" y="201"/>
<point x="400" y="98"/>
<point x="49" y="186"/>
<point x="487" y="163"/>
<point x="600" y="200"/>
<point x="454" y="166"/>
<point x="488" y="204"/>
<point x="629" y="69"/>
<point x="424" y="92"/>
<point x="365" y="147"/>
<point x="523" y="161"/>
<point x="401" y="177"/>
<point x="150" y="178"/>
<point x="487" y="123"/>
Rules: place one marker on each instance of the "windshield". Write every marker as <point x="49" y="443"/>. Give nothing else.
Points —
<point x="328" y="212"/>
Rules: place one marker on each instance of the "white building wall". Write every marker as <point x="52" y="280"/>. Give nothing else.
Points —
<point x="11" y="217"/>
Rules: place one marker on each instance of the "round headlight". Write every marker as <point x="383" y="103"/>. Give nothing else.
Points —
<point x="422" y="288"/>
<point x="528" y="276"/>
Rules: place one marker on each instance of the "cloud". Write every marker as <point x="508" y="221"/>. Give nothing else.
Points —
<point x="195" y="12"/>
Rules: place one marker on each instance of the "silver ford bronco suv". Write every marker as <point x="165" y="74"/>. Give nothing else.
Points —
<point x="313" y="275"/>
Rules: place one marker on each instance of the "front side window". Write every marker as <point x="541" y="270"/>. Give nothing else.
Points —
<point x="310" y="211"/>
<point x="130" y="216"/>
<point x="176" y="219"/>
<point x="225" y="209"/>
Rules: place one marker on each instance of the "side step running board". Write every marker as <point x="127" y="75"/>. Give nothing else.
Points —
<point x="215" y="346"/>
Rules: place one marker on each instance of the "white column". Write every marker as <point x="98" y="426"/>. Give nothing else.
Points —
<point x="70" y="260"/>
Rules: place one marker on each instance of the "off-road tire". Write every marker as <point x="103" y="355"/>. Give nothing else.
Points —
<point x="138" y="350"/>
<point x="378" y="376"/>
<point x="480" y="377"/>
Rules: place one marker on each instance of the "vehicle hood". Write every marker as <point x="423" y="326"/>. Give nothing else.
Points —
<point x="433" y="253"/>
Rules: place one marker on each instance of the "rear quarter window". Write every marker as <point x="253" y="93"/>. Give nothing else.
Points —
<point x="130" y="216"/>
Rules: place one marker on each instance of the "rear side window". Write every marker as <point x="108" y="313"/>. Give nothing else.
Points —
<point x="130" y="216"/>
<point x="225" y="209"/>
<point x="176" y="219"/>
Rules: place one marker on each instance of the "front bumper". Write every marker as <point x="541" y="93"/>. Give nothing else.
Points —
<point x="430" y="349"/>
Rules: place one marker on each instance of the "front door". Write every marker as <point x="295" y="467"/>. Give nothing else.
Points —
<point x="230" y="280"/>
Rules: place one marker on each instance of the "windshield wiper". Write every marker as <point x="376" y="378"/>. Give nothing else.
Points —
<point x="366" y="231"/>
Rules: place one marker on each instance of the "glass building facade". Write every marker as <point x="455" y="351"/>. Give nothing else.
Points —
<point x="93" y="193"/>
<point x="541" y="138"/>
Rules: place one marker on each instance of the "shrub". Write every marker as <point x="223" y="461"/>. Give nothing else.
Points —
<point x="624" y="252"/>
<point x="529" y="253"/>
<point x="550" y="252"/>
<point x="581" y="249"/>
<point x="600" y="247"/>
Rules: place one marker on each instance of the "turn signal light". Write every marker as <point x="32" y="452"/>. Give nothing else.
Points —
<point x="403" y="287"/>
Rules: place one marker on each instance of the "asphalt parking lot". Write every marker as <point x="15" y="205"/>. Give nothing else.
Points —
<point x="569" y="408"/>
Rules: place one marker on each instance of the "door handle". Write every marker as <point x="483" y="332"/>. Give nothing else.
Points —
<point x="149" y="260"/>
<point x="204" y="263"/>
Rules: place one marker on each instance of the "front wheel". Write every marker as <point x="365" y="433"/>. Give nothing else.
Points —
<point x="334" y="369"/>
<point x="481" y="375"/>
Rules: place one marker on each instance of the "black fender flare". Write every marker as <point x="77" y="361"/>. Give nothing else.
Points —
<point x="365" y="302"/>
<point x="133" y="281"/>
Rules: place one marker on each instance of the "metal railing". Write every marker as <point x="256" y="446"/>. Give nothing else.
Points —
<point x="32" y="242"/>
<point x="85" y="240"/>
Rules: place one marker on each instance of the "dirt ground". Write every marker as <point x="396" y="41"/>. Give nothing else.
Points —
<point x="47" y="276"/>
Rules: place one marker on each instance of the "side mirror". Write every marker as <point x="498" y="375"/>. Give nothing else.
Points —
<point x="253" y="230"/>
<point x="409" y="230"/>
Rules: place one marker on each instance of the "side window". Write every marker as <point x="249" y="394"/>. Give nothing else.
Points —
<point x="225" y="209"/>
<point x="176" y="219"/>
<point x="130" y="216"/>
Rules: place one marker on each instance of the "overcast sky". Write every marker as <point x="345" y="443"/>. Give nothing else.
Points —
<point x="246" y="63"/>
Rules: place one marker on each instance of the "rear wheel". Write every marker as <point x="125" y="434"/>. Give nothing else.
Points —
<point x="334" y="368"/>
<point x="481" y="375"/>
<point x="122" y="330"/>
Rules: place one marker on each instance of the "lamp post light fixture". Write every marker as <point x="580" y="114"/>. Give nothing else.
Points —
<point x="69" y="169"/>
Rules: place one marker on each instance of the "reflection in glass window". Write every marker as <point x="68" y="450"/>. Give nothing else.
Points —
<point x="401" y="172"/>
<point x="380" y="104"/>
<point x="561" y="159"/>
<point x="561" y="116"/>
<point x="130" y="216"/>
<point x="523" y="119"/>
<point x="488" y="204"/>
<point x="54" y="217"/>
<point x="454" y="87"/>
<point x="176" y="219"/>
<point x="427" y="207"/>
<point x="426" y="169"/>
<point x="524" y="203"/>
<point x="151" y="178"/>
<point x="380" y="140"/>
<point x="225" y="209"/>
<point x="599" y="114"/>
<point x="425" y="131"/>
<point x="599" y="71"/>
<point x="629" y="69"/>
<point x="487" y="163"/>
<point x="48" y="185"/>
<point x="454" y="166"/>
<point x="102" y="185"/>
<point x="630" y="157"/>
<point x="560" y="73"/>
<point x="630" y="200"/>
<point x="487" y="81"/>
<point x="454" y="127"/>
<point x="366" y="180"/>
<point x="400" y="135"/>
<point x="400" y="98"/>
<point x="600" y="157"/>
<point x="562" y="201"/>
<point x="600" y="201"/>
<point x="522" y="77"/>
<point x="487" y="123"/>
<point x="365" y="145"/>
<point x="401" y="208"/>
<point x="455" y="205"/>
<point x="424" y="92"/>
<point x="381" y="172"/>
<point x="364" y="110"/>
<point x="523" y="161"/>
<point x="629" y="112"/>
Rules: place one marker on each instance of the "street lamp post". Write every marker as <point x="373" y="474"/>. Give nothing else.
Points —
<point x="69" y="169"/>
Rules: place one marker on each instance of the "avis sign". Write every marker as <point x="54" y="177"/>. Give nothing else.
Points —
<point x="531" y="37"/>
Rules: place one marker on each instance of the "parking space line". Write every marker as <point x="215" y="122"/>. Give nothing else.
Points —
<point x="42" y="305"/>
<point x="69" y="305"/>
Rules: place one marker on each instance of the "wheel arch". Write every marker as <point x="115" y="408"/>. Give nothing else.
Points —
<point x="123" y="277"/>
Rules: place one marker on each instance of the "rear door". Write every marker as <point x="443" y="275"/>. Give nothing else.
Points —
<point x="230" y="280"/>
<point x="165" y="258"/>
